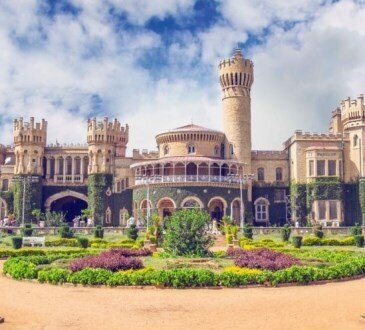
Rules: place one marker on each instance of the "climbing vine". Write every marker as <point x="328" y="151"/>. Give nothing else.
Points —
<point x="324" y="189"/>
<point x="298" y="198"/>
<point x="33" y="197"/>
<point x="98" y="185"/>
<point x="362" y="198"/>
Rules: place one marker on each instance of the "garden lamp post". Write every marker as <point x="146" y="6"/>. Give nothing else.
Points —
<point x="24" y="180"/>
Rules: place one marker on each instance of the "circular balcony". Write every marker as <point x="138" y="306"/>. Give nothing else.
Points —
<point x="190" y="170"/>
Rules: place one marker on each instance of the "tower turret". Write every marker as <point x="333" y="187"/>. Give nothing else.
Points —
<point x="30" y="138"/>
<point x="236" y="78"/>
<point x="106" y="140"/>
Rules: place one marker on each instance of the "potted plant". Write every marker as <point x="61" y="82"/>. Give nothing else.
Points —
<point x="37" y="213"/>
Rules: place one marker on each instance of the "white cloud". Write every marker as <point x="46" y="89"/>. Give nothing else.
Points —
<point x="302" y="70"/>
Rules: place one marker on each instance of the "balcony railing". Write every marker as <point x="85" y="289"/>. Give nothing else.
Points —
<point x="188" y="178"/>
<point x="76" y="178"/>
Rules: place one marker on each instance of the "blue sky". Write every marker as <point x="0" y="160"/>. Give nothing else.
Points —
<point x="153" y="63"/>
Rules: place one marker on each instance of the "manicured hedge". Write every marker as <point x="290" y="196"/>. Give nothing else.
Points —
<point x="6" y="252"/>
<point x="343" y="264"/>
<point x="315" y="241"/>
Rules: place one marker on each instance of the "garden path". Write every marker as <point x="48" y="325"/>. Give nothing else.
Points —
<point x="27" y="305"/>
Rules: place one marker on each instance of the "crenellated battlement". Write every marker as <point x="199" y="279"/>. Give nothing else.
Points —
<point x="352" y="109"/>
<point x="107" y="132"/>
<point x="299" y="135"/>
<point x="30" y="132"/>
<point x="236" y="71"/>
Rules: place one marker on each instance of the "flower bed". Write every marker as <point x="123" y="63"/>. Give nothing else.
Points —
<point x="263" y="259"/>
<point x="335" y="265"/>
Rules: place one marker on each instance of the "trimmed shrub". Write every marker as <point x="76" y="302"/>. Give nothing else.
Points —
<point x="356" y="230"/>
<point x="297" y="241"/>
<point x="132" y="232"/>
<point x="17" y="242"/>
<point x="229" y="238"/>
<point x="83" y="242"/>
<point x="359" y="240"/>
<point x="285" y="233"/>
<point x="247" y="232"/>
<point x="311" y="241"/>
<point x="53" y="275"/>
<point x="99" y="232"/>
<point x="318" y="232"/>
<point x="71" y="242"/>
<point x="65" y="231"/>
<point x="187" y="233"/>
<point x="27" y="230"/>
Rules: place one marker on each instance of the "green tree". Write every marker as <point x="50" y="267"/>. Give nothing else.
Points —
<point x="187" y="233"/>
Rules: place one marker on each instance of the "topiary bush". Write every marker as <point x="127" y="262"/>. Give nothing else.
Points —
<point x="17" y="242"/>
<point x="83" y="242"/>
<point x="359" y="240"/>
<point x="297" y="241"/>
<point x="99" y="232"/>
<point x="187" y="233"/>
<point x="285" y="233"/>
<point x="356" y="230"/>
<point x="247" y="232"/>
<point x="132" y="232"/>
<point x="27" y="230"/>
<point x="318" y="232"/>
<point x="65" y="231"/>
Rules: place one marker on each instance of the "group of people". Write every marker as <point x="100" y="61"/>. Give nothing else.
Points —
<point x="8" y="222"/>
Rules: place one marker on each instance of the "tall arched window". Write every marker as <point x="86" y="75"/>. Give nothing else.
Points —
<point x="279" y="174"/>
<point x="5" y="185"/>
<point x="216" y="151"/>
<point x="3" y="209"/>
<point x="231" y="150"/>
<point x="262" y="209"/>
<point x="355" y="140"/>
<point x="165" y="149"/>
<point x="261" y="174"/>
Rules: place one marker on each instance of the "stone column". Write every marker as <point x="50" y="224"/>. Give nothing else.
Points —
<point x="48" y="168"/>
<point x="82" y="168"/>
<point x="64" y="169"/>
<point x="73" y="168"/>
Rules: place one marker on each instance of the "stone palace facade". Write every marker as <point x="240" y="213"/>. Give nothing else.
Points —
<point x="315" y="177"/>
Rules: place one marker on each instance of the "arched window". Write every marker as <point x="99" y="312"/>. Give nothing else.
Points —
<point x="261" y="174"/>
<point x="279" y="174"/>
<point x="191" y="149"/>
<point x="5" y="185"/>
<point x="262" y="209"/>
<point x="191" y="204"/>
<point x="355" y="140"/>
<point x="216" y="151"/>
<point x="166" y="150"/>
<point x="3" y="209"/>
<point x="231" y="150"/>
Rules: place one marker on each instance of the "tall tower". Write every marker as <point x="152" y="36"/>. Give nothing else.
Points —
<point x="236" y="78"/>
<point x="30" y="138"/>
<point x="106" y="140"/>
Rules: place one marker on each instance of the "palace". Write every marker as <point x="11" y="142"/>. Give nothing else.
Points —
<point x="315" y="177"/>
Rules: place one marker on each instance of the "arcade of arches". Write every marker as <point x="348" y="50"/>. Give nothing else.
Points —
<point x="217" y="207"/>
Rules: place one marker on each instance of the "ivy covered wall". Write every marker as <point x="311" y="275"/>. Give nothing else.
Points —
<point x="98" y="198"/>
<point x="179" y="193"/>
<point x="8" y="197"/>
<point x="33" y="197"/>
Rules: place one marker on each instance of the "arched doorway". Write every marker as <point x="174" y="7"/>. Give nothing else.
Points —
<point x="70" y="206"/>
<point x="217" y="207"/>
<point x="165" y="207"/>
